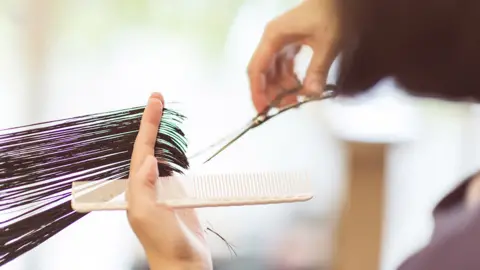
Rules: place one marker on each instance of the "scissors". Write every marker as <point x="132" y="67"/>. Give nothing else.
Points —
<point x="267" y="114"/>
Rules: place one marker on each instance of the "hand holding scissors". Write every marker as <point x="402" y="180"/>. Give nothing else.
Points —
<point x="267" y="114"/>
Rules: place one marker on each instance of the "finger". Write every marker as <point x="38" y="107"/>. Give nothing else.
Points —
<point x="158" y="226"/>
<point x="148" y="131"/>
<point x="141" y="193"/>
<point x="141" y="187"/>
<point x="289" y="83"/>
<point x="290" y="53"/>
<point x="173" y="188"/>
<point x="144" y="193"/>
<point x="289" y="78"/>
<point x="258" y="70"/>
<point x="258" y="84"/>
<point x="285" y="78"/>
<point x="317" y="71"/>
<point x="273" y="90"/>
<point x="274" y="77"/>
<point x="261" y="61"/>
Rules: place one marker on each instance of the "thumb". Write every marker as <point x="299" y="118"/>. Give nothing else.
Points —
<point x="318" y="68"/>
<point x="316" y="75"/>
<point x="143" y="183"/>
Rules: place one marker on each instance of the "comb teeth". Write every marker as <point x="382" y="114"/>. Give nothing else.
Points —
<point x="249" y="185"/>
<point x="209" y="190"/>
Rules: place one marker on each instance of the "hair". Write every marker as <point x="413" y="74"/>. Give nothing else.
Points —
<point x="39" y="162"/>
<point x="430" y="47"/>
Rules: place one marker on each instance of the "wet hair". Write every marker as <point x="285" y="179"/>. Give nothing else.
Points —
<point x="430" y="47"/>
<point x="39" y="162"/>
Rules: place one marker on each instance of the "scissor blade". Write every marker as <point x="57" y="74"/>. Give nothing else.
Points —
<point x="254" y="123"/>
<point x="222" y="143"/>
<point x="239" y="135"/>
<point x="217" y="143"/>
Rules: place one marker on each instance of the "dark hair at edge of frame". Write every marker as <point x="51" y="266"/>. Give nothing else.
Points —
<point x="39" y="162"/>
<point x="431" y="48"/>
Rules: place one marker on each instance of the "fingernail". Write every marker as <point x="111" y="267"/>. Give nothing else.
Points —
<point x="156" y="96"/>
<point x="155" y="100"/>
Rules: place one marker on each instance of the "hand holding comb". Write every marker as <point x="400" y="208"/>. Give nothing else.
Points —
<point x="39" y="163"/>
<point x="216" y="190"/>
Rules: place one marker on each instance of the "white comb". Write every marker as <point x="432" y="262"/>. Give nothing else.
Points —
<point x="208" y="190"/>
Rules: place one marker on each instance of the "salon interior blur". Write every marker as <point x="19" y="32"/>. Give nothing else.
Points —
<point x="63" y="58"/>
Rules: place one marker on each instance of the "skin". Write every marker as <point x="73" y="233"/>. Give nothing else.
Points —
<point x="472" y="196"/>
<point x="313" y="23"/>
<point x="172" y="239"/>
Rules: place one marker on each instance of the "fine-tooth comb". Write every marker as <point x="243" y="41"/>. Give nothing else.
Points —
<point x="206" y="190"/>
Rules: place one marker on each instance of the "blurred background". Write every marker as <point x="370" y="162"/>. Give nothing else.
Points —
<point x="62" y="58"/>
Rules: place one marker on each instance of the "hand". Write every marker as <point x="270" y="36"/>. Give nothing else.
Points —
<point x="313" y="23"/>
<point x="172" y="239"/>
<point x="472" y="194"/>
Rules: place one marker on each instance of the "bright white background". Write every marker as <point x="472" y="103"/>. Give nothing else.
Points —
<point x="65" y="58"/>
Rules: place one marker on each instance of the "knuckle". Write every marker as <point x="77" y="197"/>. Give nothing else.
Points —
<point x="183" y="251"/>
<point x="270" y="30"/>
<point x="251" y="70"/>
<point x="254" y="70"/>
<point x="151" y="178"/>
<point x="137" y="216"/>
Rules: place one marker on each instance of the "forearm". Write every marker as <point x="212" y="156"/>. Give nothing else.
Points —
<point x="160" y="263"/>
<point x="454" y="251"/>
<point x="178" y="265"/>
<point x="455" y="240"/>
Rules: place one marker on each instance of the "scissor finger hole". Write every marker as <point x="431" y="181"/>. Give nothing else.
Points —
<point x="288" y="100"/>
<point x="276" y="100"/>
<point x="273" y="111"/>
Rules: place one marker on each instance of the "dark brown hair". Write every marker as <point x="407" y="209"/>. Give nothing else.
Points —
<point x="431" y="47"/>
<point x="39" y="162"/>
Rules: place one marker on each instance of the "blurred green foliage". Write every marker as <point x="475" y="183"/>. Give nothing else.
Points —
<point x="205" y="22"/>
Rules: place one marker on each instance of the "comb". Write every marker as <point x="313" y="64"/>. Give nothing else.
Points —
<point x="205" y="190"/>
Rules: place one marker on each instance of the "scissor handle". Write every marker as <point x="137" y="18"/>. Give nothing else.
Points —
<point x="276" y="101"/>
<point x="262" y="116"/>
